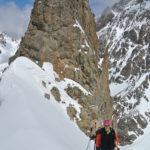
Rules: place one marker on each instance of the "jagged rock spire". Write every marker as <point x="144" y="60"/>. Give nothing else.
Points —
<point x="63" y="32"/>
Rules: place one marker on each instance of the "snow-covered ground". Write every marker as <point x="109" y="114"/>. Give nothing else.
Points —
<point x="28" y="121"/>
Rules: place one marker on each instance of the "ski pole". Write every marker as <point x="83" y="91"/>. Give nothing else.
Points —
<point x="88" y="144"/>
<point x="95" y="133"/>
<point x="94" y="147"/>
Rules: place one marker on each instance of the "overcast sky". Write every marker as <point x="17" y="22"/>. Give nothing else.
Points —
<point x="15" y="14"/>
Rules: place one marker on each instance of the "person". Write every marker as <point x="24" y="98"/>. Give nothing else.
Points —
<point x="106" y="138"/>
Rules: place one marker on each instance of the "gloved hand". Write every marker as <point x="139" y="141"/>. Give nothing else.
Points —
<point x="92" y="137"/>
<point x="98" y="148"/>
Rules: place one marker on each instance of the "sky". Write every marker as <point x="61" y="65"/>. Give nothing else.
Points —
<point x="98" y="6"/>
<point x="17" y="14"/>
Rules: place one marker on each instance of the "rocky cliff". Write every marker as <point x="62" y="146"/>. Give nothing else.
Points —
<point x="63" y="32"/>
<point x="124" y="32"/>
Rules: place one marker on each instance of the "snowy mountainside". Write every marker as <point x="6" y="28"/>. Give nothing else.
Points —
<point x="141" y="143"/>
<point x="8" y="47"/>
<point x="124" y="32"/>
<point x="29" y="120"/>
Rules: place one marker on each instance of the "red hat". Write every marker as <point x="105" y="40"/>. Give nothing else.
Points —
<point x="106" y="122"/>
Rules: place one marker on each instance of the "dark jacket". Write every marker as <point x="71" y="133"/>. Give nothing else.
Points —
<point x="106" y="140"/>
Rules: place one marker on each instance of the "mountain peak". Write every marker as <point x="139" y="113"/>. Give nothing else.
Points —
<point x="63" y="32"/>
<point x="126" y="36"/>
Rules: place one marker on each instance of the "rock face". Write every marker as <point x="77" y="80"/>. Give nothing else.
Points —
<point x="124" y="32"/>
<point x="63" y="32"/>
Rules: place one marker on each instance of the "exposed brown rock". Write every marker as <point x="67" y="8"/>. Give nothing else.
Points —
<point x="47" y="96"/>
<point x="74" y="92"/>
<point x="106" y="106"/>
<point x="56" y="94"/>
<point x="71" y="111"/>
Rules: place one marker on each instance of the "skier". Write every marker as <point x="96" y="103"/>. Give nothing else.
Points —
<point x="106" y="138"/>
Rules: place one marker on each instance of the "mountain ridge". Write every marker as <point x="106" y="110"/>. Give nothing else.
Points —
<point x="124" y="33"/>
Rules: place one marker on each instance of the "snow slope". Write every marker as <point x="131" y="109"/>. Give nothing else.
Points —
<point x="29" y="121"/>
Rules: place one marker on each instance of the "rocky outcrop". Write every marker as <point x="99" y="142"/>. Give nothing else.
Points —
<point x="104" y="86"/>
<point x="63" y="32"/>
<point x="56" y="94"/>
